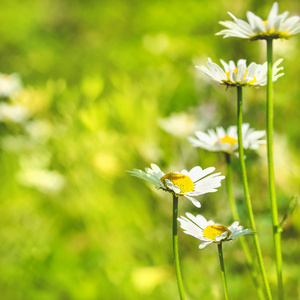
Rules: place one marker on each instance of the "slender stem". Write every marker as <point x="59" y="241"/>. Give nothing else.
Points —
<point x="272" y="191"/>
<point x="246" y="191"/>
<point x="175" y="248"/>
<point x="242" y="239"/>
<point x="223" y="270"/>
<point x="230" y="196"/>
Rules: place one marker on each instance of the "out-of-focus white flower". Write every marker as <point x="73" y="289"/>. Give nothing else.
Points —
<point x="10" y="85"/>
<point x="39" y="130"/>
<point x="208" y="232"/>
<point x="179" y="124"/>
<point x="43" y="180"/>
<point x="239" y="74"/>
<point x="221" y="140"/>
<point x="275" y="27"/>
<point x="182" y="184"/>
<point x="13" y="113"/>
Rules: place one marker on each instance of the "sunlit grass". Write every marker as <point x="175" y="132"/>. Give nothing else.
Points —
<point x="101" y="76"/>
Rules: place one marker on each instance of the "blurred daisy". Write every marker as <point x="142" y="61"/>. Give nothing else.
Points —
<point x="13" y="113"/>
<point x="221" y="140"/>
<point x="179" y="124"/>
<point x="208" y="232"/>
<point x="275" y="27"/>
<point x="240" y="74"/>
<point x="45" y="181"/>
<point x="182" y="184"/>
<point x="9" y="85"/>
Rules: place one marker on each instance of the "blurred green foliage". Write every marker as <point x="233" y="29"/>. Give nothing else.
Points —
<point x="100" y="74"/>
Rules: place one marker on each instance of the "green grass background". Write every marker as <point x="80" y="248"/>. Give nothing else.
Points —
<point x="102" y="73"/>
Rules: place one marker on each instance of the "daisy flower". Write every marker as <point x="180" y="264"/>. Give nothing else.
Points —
<point x="182" y="184"/>
<point x="10" y="85"/>
<point x="13" y="113"/>
<point x="274" y="27"/>
<point x="208" y="232"/>
<point x="239" y="74"/>
<point x="179" y="124"/>
<point x="221" y="140"/>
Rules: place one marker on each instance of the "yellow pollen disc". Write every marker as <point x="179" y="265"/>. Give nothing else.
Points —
<point x="184" y="182"/>
<point x="228" y="139"/>
<point x="211" y="231"/>
<point x="265" y="22"/>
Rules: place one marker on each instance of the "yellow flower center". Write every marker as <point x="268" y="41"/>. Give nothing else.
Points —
<point x="228" y="139"/>
<point x="211" y="231"/>
<point x="184" y="182"/>
<point x="271" y="34"/>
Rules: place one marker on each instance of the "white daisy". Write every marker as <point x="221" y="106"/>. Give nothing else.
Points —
<point x="179" y="124"/>
<point x="208" y="232"/>
<point x="275" y="27"/>
<point x="46" y="181"/>
<point x="221" y="140"/>
<point x="10" y="85"/>
<point x="182" y="184"/>
<point x="240" y="74"/>
<point x="13" y="113"/>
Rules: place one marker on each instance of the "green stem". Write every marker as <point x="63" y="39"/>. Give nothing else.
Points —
<point x="230" y="196"/>
<point x="246" y="191"/>
<point x="175" y="248"/>
<point x="242" y="239"/>
<point x="223" y="270"/>
<point x="272" y="191"/>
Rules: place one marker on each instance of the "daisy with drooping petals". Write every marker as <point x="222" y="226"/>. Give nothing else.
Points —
<point x="240" y="74"/>
<point x="275" y="27"/>
<point x="182" y="184"/>
<point x="221" y="140"/>
<point x="208" y="232"/>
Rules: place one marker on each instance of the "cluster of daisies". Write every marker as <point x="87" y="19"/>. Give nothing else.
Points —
<point x="198" y="181"/>
<point x="189" y="184"/>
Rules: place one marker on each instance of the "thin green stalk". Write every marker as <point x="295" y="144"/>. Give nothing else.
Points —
<point x="175" y="248"/>
<point x="246" y="191"/>
<point x="272" y="191"/>
<point x="223" y="270"/>
<point x="242" y="239"/>
<point x="230" y="196"/>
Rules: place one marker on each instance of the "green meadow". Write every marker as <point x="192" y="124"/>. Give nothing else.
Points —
<point x="99" y="80"/>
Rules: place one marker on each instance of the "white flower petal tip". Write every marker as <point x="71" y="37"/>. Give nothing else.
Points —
<point x="240" y="74"/>
<point x="184" y="184"/>
<point x="221" y="140"/>
<point x="210" y="233"/>
<point x="276" y="26"/>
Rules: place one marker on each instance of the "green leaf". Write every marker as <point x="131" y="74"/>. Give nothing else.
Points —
<point x="289" y="211"/>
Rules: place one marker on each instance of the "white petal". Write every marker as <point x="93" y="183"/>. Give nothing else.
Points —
<point x="194" y="201"/>
<point x="203" y="245"/>
<point x="172" y="186"/>
<point x="272" y="16"/>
